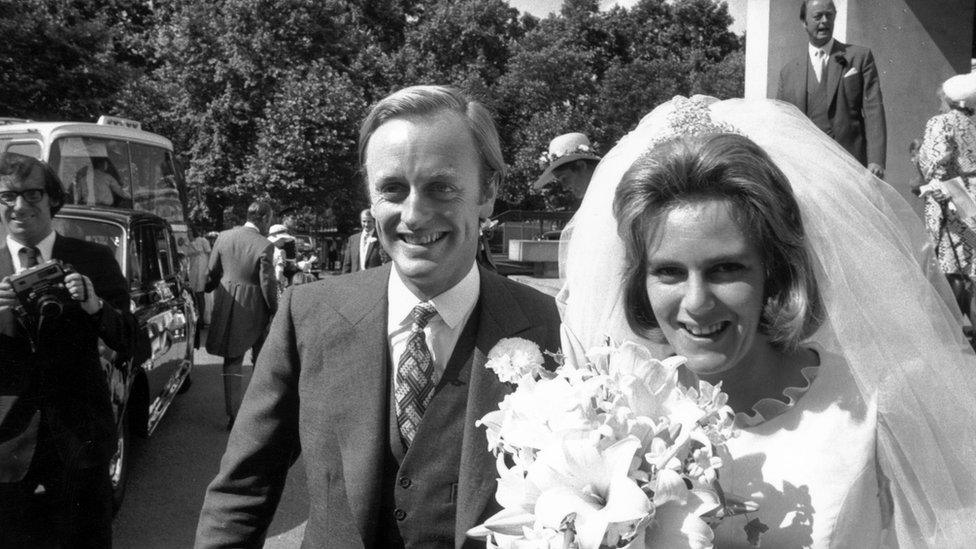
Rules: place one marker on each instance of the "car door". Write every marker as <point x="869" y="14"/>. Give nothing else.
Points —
<point x="162" y="310"/>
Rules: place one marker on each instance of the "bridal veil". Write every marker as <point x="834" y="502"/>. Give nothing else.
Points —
<point x="890" y="313"/>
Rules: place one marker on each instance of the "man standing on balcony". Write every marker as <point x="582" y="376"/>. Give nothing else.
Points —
<point x="836" y="85"/>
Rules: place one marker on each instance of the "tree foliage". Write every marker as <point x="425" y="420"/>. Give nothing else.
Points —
<point x="264" y="97"/>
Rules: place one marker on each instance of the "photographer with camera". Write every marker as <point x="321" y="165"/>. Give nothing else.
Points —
<point x="58" y="296"/>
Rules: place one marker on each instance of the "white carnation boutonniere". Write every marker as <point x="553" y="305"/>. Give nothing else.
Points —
<point x="513" y="358"/>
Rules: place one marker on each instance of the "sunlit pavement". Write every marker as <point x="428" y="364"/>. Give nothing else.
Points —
<point x="170" y="472"/>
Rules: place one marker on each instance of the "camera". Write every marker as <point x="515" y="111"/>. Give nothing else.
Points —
<point x="41" y="291"/>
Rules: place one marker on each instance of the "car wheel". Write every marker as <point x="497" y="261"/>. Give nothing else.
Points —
<point x="119" y="466"/>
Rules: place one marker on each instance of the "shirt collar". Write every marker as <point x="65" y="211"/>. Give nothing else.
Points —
<point x="45" y="246"/>
<point x="452" y="306"/>
<point x="250" y="225"/>
<point x="828" y="47"/>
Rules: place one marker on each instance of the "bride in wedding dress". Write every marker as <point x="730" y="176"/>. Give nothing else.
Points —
<point x="737" y="234"/>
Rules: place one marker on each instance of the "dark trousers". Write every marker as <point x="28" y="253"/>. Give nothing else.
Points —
<point x="233" y="374"/>
<point x="57" y="507"/>
<point x="201" y="303"/>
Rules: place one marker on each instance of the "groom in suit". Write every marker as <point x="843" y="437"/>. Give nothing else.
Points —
<point x="378" y="377"/>
<point x="836" y="86"/>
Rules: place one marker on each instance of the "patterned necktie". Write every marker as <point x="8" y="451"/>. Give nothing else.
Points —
<point x="28" y="256"/>
<point x="414" y="378"/>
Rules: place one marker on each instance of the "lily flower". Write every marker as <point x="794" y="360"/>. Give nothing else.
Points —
<point x="577" y="480"/>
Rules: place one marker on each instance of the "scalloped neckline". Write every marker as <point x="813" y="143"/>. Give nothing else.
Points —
<point x="767" y="408"/>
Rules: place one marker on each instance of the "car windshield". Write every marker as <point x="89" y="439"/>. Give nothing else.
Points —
<point x="100" y="232"/>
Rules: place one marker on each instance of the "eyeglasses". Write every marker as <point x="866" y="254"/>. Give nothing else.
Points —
<point x="33" y="196"/>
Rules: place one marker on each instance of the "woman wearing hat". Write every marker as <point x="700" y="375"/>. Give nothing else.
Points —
<point x="948" y="150"/>
<point x="570" y="160"/>
<point x="283" y="266"/>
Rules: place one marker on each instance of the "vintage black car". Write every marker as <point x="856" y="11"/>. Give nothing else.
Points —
<point x="145" y="385"/>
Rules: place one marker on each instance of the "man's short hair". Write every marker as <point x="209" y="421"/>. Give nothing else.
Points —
<point x="20" y="167"/>
<point x="366" y="211"/>
<point x="803" y="9"/>
<point x="418" y="101"/>
<point x="258" y="210"/>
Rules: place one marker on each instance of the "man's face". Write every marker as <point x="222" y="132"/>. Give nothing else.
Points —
<point x="367" y="222"/>
<point x="424" y="179"/>
<point x="819" y="22"/>
<point x="573" y="177"/>
<point x="288" y="220"/>
<point x="26" y="223"/>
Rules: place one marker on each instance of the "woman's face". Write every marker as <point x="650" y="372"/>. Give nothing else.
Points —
<point x="705" y="284"/>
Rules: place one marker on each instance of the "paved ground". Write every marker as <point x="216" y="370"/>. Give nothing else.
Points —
<point x="171" y="470"/>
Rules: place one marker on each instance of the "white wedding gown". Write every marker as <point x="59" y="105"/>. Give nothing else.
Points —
<point x="881" y="449"/>
<point x="812" y="469"/>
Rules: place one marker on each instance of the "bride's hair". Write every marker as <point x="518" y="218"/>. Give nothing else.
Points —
<point x="733" y="168"/>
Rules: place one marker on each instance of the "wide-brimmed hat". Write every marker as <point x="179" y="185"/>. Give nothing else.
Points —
<point x="562" y="150"/>
<point x="961" y="89"/>
<point x="278" y="232"/>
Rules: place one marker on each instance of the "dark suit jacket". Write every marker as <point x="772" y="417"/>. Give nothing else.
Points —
<point x="241" y="275"/>
<point x="856" y="110"/>
<point x="320" y="387"/>
<point x="350" y="259"/>
<point x="64" y="379"/>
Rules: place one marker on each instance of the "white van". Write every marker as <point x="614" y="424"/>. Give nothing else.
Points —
<point x="111" y="163"/>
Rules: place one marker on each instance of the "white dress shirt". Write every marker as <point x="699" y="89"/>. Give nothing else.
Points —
<point x="454" y="308"/>
<point x="816" y="60"/>
<point x="45" y="248"/>
<point x="365" y="239"/>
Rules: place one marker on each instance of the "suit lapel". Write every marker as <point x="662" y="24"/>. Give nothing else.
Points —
<point x="501" y="316"/>
<point x="837" y="64"/>
<point x="362" y="380"/>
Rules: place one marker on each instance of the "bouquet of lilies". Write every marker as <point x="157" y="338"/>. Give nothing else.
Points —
<point x="613" y="452"/>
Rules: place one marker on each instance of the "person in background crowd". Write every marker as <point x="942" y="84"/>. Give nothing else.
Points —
<point x="289" y="218"/>
<point x="241" y="275"/>
<point x="948" y="150"/>
<point x="284" y="268"/>
<point x="197" y="258"/>
<point x="570" y="161"/>
<point x="363" y="249"/>
<point x="57" y="426"/>
<point x="378" y="378"/>
<point x="836" y="85"/>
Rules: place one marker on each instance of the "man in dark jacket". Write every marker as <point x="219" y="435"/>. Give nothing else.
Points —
<point x="385" y="422"/>
<point x="241" y="275"/>
<point x="57" y="425"/>
<point x="363" y="248"/>
<point x="836" y="85"/>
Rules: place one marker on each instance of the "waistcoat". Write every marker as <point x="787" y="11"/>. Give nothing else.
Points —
<point x="818" y="100"/>
<point x="419" y="495"/>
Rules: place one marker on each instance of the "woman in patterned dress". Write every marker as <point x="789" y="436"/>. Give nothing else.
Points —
<point x="949" y="150"/>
